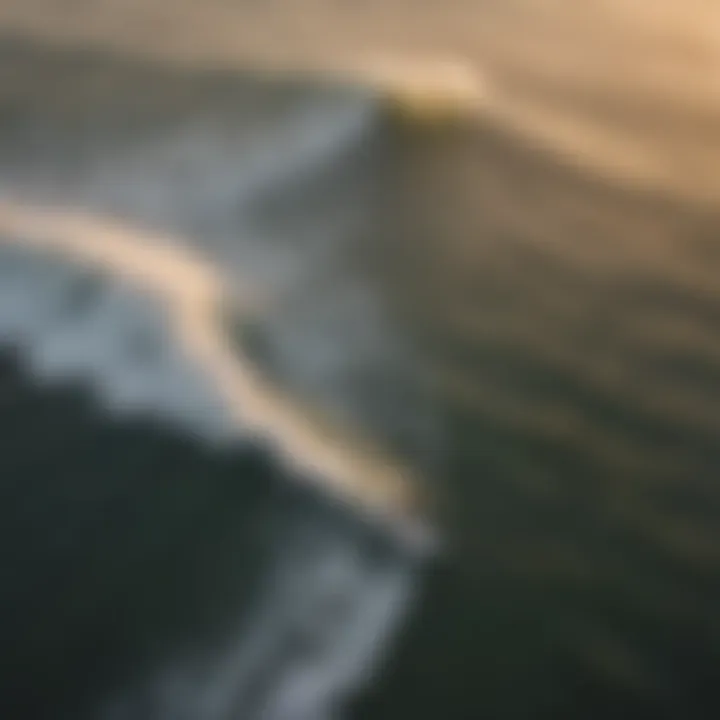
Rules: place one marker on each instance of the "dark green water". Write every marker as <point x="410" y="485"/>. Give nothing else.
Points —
<point x="569" y="330"/>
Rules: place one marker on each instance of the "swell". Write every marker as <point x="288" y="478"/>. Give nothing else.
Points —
<point x="572" y="326"/>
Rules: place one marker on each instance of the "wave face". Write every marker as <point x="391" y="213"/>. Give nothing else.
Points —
<point x="572" y="324"/>
<point x="161" y="560"/>
<point x="148" y="574"/>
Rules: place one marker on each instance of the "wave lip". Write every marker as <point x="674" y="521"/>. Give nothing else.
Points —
<point x="191" y="295"/>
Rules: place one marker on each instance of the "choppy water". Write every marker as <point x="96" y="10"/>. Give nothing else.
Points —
<point x="569" y="331"/>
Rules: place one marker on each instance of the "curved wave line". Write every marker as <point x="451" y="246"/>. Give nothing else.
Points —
<point x="345" y="465"/>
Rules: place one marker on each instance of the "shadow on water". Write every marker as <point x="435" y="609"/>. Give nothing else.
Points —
<point x="120" y="540"/>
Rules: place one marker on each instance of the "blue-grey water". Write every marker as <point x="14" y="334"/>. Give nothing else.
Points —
<point x="540" y="346"/>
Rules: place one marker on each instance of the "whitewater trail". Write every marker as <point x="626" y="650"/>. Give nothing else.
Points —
<point x="314" y="638"/>
<point x="135" y="255"/>
<point x="191" y="295"/>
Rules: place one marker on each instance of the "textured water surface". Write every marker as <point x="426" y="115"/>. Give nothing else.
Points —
<point x="567" y="326"/>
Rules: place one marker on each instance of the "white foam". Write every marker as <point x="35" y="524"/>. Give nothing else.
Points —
<point x="314" y="637"/>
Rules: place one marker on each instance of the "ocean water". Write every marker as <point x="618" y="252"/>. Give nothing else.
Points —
<point x="535" y="346"/>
